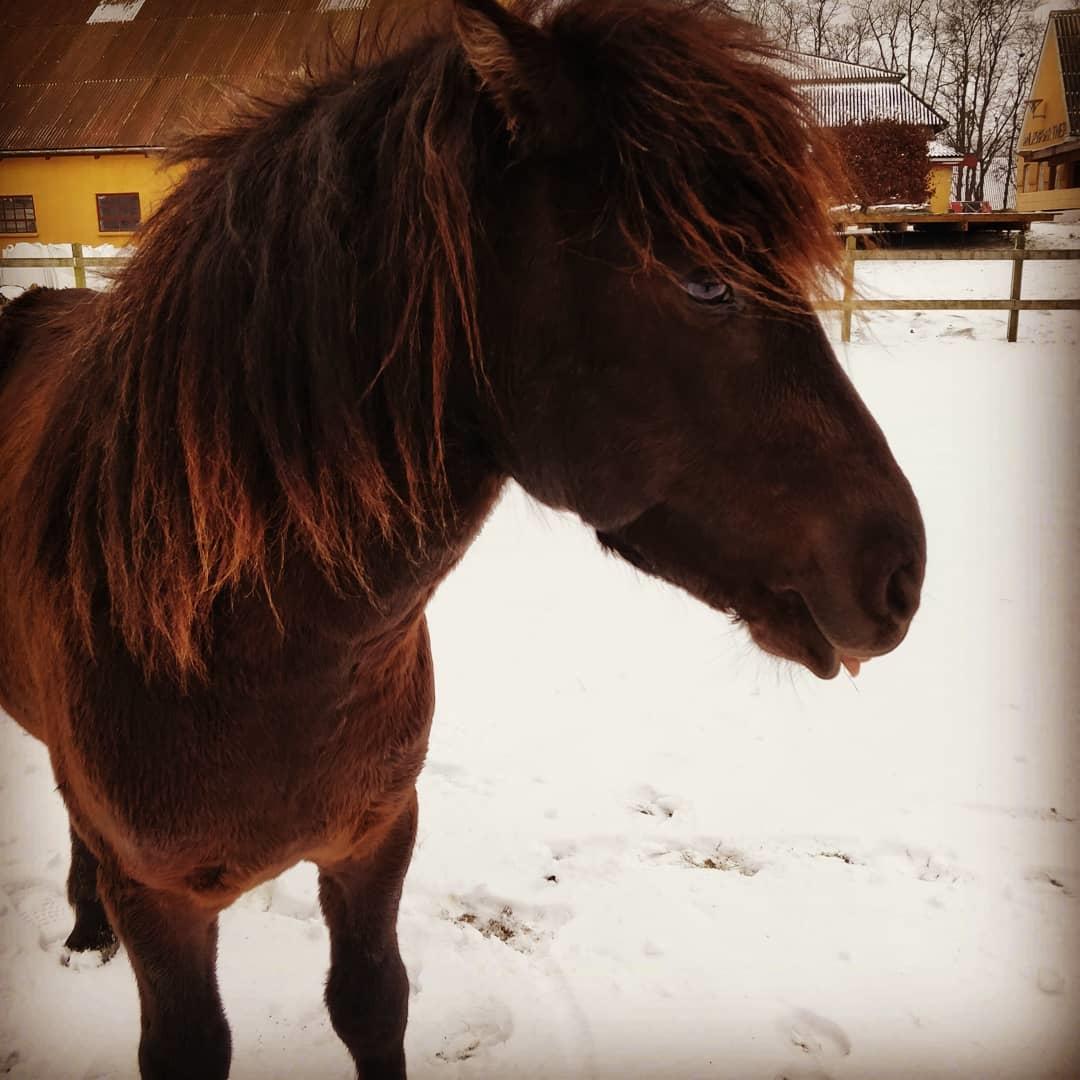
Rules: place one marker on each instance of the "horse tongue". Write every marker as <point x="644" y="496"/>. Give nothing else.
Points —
<point x="852" y="664"/>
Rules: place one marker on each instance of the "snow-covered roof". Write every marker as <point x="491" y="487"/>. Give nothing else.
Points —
<point x="945" y="155"/>
<point x="807" y="67"/>
<point x="842" y="92"/>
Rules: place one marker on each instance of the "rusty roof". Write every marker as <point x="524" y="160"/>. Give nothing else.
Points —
<point x="111" y="74"/>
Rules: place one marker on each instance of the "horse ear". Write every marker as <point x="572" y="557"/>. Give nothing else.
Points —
<point x="515" y="63"/>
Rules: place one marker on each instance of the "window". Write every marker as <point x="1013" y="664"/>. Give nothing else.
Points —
<point x="118" y="213"/>
<point x="17" y="214"/>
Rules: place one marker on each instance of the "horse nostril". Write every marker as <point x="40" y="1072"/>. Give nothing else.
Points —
<point x="902" y="592"/>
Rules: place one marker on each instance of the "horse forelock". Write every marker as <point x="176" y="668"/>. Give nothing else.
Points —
<point x="697" y="131"/>
<point x="271" y="369"/>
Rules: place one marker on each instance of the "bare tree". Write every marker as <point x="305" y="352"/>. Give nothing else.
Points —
<point x="818" y="21"/>
<point x="970" y="60"/>
<point x="781" y="18"/>
<point x="990" y="48"/>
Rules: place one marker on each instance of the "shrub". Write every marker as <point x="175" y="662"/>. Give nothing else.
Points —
<point x="886" y="161"/>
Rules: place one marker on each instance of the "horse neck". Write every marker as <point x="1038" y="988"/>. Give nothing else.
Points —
<point x="404" y="572"/>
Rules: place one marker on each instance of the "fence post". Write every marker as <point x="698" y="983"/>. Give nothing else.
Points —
<point x="80" y="266"/>
<point x="1017" y="283"/>
<point x="849" y="287"/>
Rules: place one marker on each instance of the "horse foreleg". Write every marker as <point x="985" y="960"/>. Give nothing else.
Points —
<point x="172" y="945"/>
<point x="92" y="929"/>
<point x="367" y="992"/>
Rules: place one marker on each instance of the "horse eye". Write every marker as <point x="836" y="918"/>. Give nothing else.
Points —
<point x="708" y="290"/>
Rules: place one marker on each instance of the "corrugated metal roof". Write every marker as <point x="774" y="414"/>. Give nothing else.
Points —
<point x="807" y="67"/>
<point x="842" y="92"/>
<point x="852" y="102"/>
<point x="132" y="81"/>
<point x="133" y="76"/>
<point x="1066" y="25"/>
<point x="46" y="13"/>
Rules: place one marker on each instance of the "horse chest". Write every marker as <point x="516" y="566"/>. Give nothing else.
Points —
<point x="217" y="792"/>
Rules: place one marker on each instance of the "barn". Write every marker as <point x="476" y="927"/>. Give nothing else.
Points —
<point x="1048" y="166"/>
<point x="90" y="91"/>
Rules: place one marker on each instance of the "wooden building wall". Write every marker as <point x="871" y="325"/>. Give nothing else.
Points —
<point x="65" y="190"/>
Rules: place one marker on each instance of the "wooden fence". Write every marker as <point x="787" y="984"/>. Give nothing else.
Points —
<point x="1018" y="255"/>
<point x="77" y="262"/>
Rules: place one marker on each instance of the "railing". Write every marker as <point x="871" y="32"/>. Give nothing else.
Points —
<point x="1018" y="255"/>
<point x="77" y="262"/>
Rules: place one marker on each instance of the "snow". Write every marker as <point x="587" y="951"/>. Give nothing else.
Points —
<point x="975" y="280"/>
<point x="647" y="850"/>
<point x="117" y="11"/>
<point x="14" y="280"/>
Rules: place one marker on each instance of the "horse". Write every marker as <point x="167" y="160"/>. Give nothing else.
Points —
<point x="572" y="244"/>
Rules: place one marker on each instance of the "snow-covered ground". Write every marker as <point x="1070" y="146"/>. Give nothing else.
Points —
<point x="648" y="851"/>
<point x="15" y="279"/>
<point x="974" y="280"/>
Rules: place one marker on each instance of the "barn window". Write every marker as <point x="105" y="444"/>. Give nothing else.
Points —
<point x="118" y="213"/>
<point x="17" y="214"/>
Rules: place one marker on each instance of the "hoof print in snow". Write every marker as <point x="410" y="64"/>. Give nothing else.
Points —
<point x="928" y="866"/>
<point x="45" y="908"/>
<point x="802" y="1074"/>
<point x="814" y="1034"/>
<point x="1058" y="881"/>
<point x="480" y="1033"/>
<point x="651" y="803"/>
<point x="498" y="920"/>
<point x="1050" y="981"/>
<point x="9" y="1063"/>
<point x="462" y="1048"/>
<point x="716" y="858"/>
<point x="842" y="856"/>
<point x="721" y="859"/>
<point x="502" y="925"/>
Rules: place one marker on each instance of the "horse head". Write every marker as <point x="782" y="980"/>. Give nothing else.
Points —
<point x="653" y="250"/>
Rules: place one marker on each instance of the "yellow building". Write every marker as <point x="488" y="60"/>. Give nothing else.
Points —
<point x="943" y="163"/>
<point x="78" y="198"/>
<point x="89" y="97"/>
<point x="1048" y="168"/>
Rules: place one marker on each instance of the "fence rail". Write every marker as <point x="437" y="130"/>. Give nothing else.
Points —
<point x="850" y="303"/>
<point x="77" y="262"/>
<point x="1018" y="255"/>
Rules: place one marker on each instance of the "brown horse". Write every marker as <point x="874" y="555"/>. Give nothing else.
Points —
<point x="570" y="245"/>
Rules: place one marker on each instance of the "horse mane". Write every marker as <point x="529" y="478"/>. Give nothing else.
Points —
<point x="270" y="370"/>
